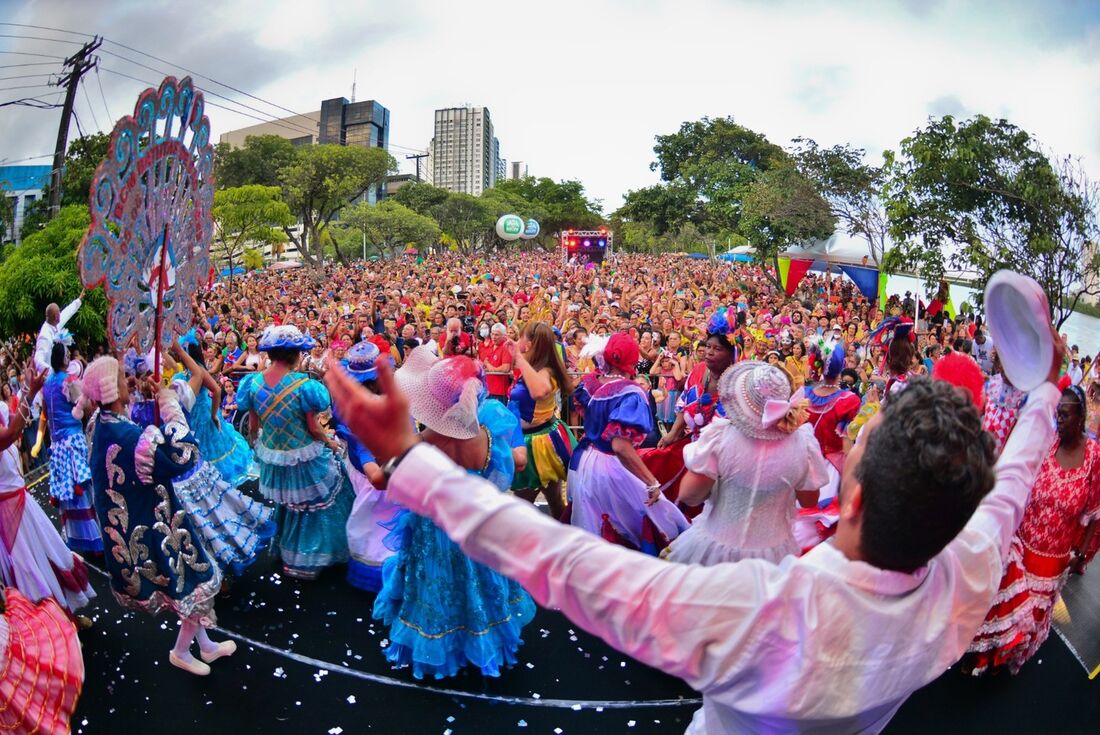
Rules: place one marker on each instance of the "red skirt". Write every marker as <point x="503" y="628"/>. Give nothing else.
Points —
<point x="1020" y="619"/>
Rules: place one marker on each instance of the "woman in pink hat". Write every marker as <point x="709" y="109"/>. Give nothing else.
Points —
<point x="612" y="491"/>
<point x="748" y="468"/>
<point x="445" y="611"/>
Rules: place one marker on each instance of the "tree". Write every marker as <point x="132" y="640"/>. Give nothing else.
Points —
<point x="561" y="204"/>
<point x="707" y="169"/>
<point x="501" y="201"/>
<point x="43" y="270"/>
<point x="782" y="208"/>
<point x="258" y="162"/>
<point x="851" y="187"/>
<point x="420" y="197"/>
<point x="979" y="196"/>
<point x="390" y="226"/>
<point x="252" y="259"/>
<point x="465" y="218"/>
<point x="321" y="182"/>
<point x="246" y="216"/>
<point x="81" y="161"/>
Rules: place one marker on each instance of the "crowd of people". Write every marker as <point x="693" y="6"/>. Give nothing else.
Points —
<point x="691" y="411"/>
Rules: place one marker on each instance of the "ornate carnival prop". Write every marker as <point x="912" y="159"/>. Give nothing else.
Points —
<point x="150" y="201"/>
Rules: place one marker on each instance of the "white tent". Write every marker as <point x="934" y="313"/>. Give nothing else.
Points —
<point x="841" y="248"/>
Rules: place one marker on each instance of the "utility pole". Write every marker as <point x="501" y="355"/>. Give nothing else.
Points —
<point x="78" y="64"/>
<point x="417" y="157"/>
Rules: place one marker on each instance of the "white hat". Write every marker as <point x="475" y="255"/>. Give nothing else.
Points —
<point x="101" y="380"/>
<point x="756" y="396"/>
<point x="1018" y="315"/>
<point x="443" y="394"/>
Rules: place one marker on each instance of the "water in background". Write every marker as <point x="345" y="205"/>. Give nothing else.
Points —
<point x="1082" y="330"/>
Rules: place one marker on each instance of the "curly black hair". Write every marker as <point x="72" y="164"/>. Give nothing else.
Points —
<point x="924" y="471"/>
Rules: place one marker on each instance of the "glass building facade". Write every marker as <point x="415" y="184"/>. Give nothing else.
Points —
<point x="365" y="124"/>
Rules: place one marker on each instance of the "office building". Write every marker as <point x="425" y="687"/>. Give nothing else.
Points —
<point x="519" y="170"/>
<point x="365" y="124"/>
<point x="465" y="154"/>
<point x="21" y="186"/>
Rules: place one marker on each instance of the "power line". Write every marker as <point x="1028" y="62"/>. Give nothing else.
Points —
<point x="28" y="158"/>
<point x="24" y="86"/>
<point x="38" y="38"/>
<point x="99" y="81"/>
<point x="25" y="76"/>
<point x="31" y="102"/>
<point x="32" y="63"/>
<point x="87" y="99"/>
<point x="269" y="119"/>
<point x="28" y="53"/>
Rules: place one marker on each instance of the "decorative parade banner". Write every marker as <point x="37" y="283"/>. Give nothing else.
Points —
<point x="796" y="271"/>
<point x="150" y="202"/>
<point x="866" y="279"/>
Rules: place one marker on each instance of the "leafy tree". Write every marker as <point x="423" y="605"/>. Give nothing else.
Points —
<point x="979" y="196"/>
<point x="851" y="187"/>
<point x="43" y="270"/>
<point x="252" y="259"/>
<point x="782" y="208"/>
<point x="420" y="197"/>
<point x="244" y="217"/>
<point x="258" y="162"/>
<point x="81" y="160"/>
<point x="390" y="226"/>
<point x="560" y="204"/>
<point x="707" y="169"/>
<point x="501" y="201"/>
<point x="465" y="218"/>
<point x="323" y="180"/>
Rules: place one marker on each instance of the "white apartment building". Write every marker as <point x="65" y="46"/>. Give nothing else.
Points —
<point x="464" y="153"/>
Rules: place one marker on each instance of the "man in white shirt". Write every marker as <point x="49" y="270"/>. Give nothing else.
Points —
<point x="56" y="319"/>
<point x="1074" y="370"/>
<point x="834" y="641"/>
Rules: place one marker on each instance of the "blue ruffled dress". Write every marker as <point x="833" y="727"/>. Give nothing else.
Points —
<point x="222" y="446"/>
<point x="234" y="528"/>
<point x="299" y="473"/>
<point x="444" y="610"/>
<point x="70" y="474"/>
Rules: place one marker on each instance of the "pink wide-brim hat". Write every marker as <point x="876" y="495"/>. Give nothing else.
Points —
<point x="443" y="393"/>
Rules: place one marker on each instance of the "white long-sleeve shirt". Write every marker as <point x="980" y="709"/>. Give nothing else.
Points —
<point x="816" y="644"/>
<point x="46" y="336"/>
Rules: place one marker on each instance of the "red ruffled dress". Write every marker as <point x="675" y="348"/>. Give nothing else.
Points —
<point x="1062" y="504"/>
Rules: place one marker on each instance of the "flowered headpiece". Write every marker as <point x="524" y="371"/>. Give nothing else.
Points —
<point x="287" y="337"/>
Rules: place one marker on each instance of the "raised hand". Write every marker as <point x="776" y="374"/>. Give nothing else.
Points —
<point x="381" y="422"/>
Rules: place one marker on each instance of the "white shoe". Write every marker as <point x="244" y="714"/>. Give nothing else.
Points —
<point x="193" y="666"/>
<point x="225" y="648"/>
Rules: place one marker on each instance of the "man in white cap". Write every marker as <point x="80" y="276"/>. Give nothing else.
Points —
<point x="832" y="642"/>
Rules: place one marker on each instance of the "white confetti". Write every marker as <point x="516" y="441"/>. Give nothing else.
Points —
<point x="335" y="731"/>
<point x="521" y="723"/>
<point x="628" y="724"/>
<point x="351" y="699"/>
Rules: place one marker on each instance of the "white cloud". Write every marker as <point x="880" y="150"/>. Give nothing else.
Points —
<point x="578" y="88"/>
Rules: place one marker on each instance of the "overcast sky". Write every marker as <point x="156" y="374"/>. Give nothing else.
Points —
<point x="578" y="89"/>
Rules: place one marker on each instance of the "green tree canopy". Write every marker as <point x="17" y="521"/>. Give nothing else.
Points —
<point x="851" y="187"/>
<point x="246" y="216"/>
<point x="559" y="204"/>
<point x="257" y="162"/>
<point x="323" y="180"/>
<point x="420" y="197"/>
<point x="390" y="226"/>
<point x="981" y="195"/>
<point x="81" y="160"/>
<point x="465" y="218"/>
<point x="42" y="270"/>
<point x="782" y="208"/>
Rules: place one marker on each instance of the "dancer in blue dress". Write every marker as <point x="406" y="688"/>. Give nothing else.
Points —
<point x="70" y="474"/>
<point x="372" y="510"/>
<point x="298" y="469"/>
<point x="222" y="446"/>
<point x="234" y="527"/>
<point x="444" y="610"/>
<point x="154" y="558"/>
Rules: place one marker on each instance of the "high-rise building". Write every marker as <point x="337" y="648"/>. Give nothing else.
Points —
<point x="500" y="165"/>
<point x="365" y="124"/>
<point x="519" y="170"/>
<point x="464" y="152"/>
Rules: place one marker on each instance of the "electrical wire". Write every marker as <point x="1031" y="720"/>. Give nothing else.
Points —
<point x="87" y="99"/>
<point x="25" y="76"/>
<point x="99" y="81"/>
